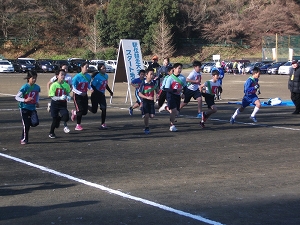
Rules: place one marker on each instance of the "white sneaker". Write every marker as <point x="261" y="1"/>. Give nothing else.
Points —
<point x="162" y="108"/>
<point x="66" y="130"/>
<point x="173" y="128"/>
<point x="48" y="106"/>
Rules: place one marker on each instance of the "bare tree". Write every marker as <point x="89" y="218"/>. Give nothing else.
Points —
<point x="94" y="39"/>
<point x="163" y="38"/>
<point x="192" y="16"/>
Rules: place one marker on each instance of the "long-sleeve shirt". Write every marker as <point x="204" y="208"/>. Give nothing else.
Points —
<point x="249" y="88"/>
<point x="28" y="91"/>
<point x="81" y="83"/>
<point x="99" y="82"/>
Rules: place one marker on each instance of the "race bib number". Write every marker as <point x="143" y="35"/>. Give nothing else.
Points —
<point x="82" y="86"/>
<point x="177" y="86"/>
<point x="103" y="85"/>
<point x="34" y="95"/>
<point x="60" y="92"/>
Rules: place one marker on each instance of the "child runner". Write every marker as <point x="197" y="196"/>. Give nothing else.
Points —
<point x="100" y="84"/>
<point x="68" y="79"/>
<point x="80" y="86"/>
<point x="147" y="92"/>
<point x="137" y="83"/>
<point x="221" y="76"/>
<point x="193" y="81"/>
<point x="175" y="87"/>
<point x="28" y="98"/>
<point x="251" y="87"/>
<point x="211" y="88"/>
<point x="162" y="93"/>
<point x="59" y="92"/>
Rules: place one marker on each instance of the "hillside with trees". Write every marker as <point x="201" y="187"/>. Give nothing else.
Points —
<point x="98" y="25"/>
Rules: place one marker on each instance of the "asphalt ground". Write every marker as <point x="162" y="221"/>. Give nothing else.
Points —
<point x="237" y="174"/>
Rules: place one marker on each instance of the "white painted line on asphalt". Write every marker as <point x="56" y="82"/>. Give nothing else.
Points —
<point x="258" y="124"/>
<point x="7" y="94"/>
<point x="112" y="191"/>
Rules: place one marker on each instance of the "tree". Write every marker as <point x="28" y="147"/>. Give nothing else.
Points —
<point x="191" y="17"/>
<point x="125" y="19"/>
<point x="163" y="38"/>
<point x="9" y="14"/>
<point x="152" y="14"/>
<point x="94" y="38"/>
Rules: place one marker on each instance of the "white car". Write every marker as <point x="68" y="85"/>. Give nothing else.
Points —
<point x="207" y="68"/>
<point x="93" y="66"/>
<point x="286" y="68"/>
<point x="6" y="66"/>
<point x="112" y="63"/>
<point x="109" y="68"/>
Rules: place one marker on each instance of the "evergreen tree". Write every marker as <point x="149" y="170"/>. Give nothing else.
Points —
<point x="125" y="19"/>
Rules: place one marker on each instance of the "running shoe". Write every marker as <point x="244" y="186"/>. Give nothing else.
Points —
<point x="66" y="129"/>
<point x="147" y="130"/>
<point x="232" y="120"/>
<point x="253" y="118"/>
<point x="103" y="126"/>
<point x="162" y="108"/>
<point x="130" y="111"/>
<point x="173" y="128"/>
<point x="52" y="136"/>
<point x="78" y="127"/>
<point x="199" y="115"/>
<point x="202" y="124"/>
<point x="73" y="116"/>
<point x="48" y="106"/>
<point x="23" y="142"/>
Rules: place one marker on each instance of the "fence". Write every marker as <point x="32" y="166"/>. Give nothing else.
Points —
<point x="288" y="46"/>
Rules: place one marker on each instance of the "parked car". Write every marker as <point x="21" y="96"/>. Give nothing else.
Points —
<point x="58" y="64"/>
<point x="202" y="66"/>
<point x="250" y="66"/>
<point x="26" y="65"/>
<point x="112" y="63"/>
<point x="264" y="68"/>
<point x="43" y="65"/>
<point x="274" y="68"/>
<point x="286" y="68"/>
<point x="16" y="65"/>
<point x="93" y="66"/>
<point x="207" y="68"/>
<point x="109" y="68"/>
<point x="6" y="66"/>
<point x="76" y="63"/>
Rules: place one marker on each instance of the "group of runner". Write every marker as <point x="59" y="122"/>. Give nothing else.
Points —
<point x="166" y="83"/>
<point x="61" y="88"/>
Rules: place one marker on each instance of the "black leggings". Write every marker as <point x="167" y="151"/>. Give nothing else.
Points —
<point x="56" y="122"/>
